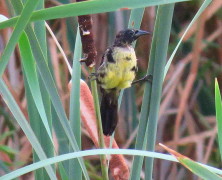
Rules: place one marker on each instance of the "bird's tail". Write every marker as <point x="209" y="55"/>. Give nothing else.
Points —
<point x="109" y="111"/>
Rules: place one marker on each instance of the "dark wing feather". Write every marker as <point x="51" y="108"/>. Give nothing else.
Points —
<point x="108" y="55"/>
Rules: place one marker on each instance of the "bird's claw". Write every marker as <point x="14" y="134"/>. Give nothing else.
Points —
<point x="148" y="78"/>
<point x="93" y="76"/>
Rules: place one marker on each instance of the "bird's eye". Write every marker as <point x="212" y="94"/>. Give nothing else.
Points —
<point x="131" y="33"/>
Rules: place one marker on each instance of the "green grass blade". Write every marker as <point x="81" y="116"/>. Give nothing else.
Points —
<point x="19" y="27"/>
<point x="36" y="108"/>
<point x="6" y="95"/>
<point x="62" y="172"/>
<point x="49" y="83"/>
<point x="51" y="88"/>
<point x="75" y="171"/>
<point x="197" y="15"/>
<point x="37" y="102"/>
<point x="135" y="22"/>
<point x="31" y="75"/>
<point x="63" y="141"/>
<point x="198" y="169"/>
<point x="218" y="104"/>
<point x="162" y="33"/>
<point x="40" y="30"/>
<point x="136" y="16"/>
<point x="87" y="7"/>
<point x="64" y="157"/>
<point x="35" y="121"/>
<point x="141" y="139"/>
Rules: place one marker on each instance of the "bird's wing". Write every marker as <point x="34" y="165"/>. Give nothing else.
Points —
<point x="107" y="56"/>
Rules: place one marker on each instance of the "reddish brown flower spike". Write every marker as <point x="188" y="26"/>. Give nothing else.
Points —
<point x="88" y="45"/>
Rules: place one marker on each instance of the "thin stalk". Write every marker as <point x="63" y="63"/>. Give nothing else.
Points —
<point x="59" y="47"/>
<point x="104" y="166"/>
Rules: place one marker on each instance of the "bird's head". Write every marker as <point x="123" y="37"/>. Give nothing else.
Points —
<point x="126" y="37"/>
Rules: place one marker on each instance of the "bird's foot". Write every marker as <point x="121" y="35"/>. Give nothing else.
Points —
<point x="84" y="59"/>
<point x="148" y="78"/>
<point x="93" y="76"/>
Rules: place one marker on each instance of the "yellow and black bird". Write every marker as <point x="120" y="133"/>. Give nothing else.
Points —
<point x="117" y="71"/>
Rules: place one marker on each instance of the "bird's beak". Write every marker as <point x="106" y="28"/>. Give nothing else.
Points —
<point x="141" y="33"/>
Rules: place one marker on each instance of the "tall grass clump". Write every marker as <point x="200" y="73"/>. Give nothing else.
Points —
<point x="59" y="121"/>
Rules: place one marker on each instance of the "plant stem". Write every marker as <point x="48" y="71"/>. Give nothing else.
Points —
<point x="104" y="166"/>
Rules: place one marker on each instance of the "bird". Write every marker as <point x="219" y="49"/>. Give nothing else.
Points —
<point x="116" y="72"/>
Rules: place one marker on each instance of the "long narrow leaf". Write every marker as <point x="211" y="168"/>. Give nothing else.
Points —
<point x="218" y="104"/>
<point x="19" y="27"/>
<point x="199" y="170"/>
<point x="47" y="78"/>
<point x="40" y="30"/>
<point x="162" y="33"/>
<point x="40" y="113"/>
<point x="6" y="95"/>
<point x="141" y="139"/>
<point x="64" y="157"/>
<point x="75" y="121"/>
<point x="88" y="7"/>
<point x="51" y="88"/>
<point x="30" y="71"/>
<point x="193" y="166"/>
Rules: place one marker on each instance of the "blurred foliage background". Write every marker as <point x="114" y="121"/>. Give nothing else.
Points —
<point x="187" y="114"/>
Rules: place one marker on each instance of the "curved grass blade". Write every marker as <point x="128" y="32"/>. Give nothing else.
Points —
<point x="193" y="166"/>
<point x="64" y="157"/>
<point x="218" y="104"/>
<point x="87" y="7"/>
<point x="6" y="95"/>
<point x="21" y="23"/>
<point x="199" y="170"/>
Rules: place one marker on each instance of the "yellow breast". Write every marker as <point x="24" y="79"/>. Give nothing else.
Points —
<point x="120" y="74"/>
